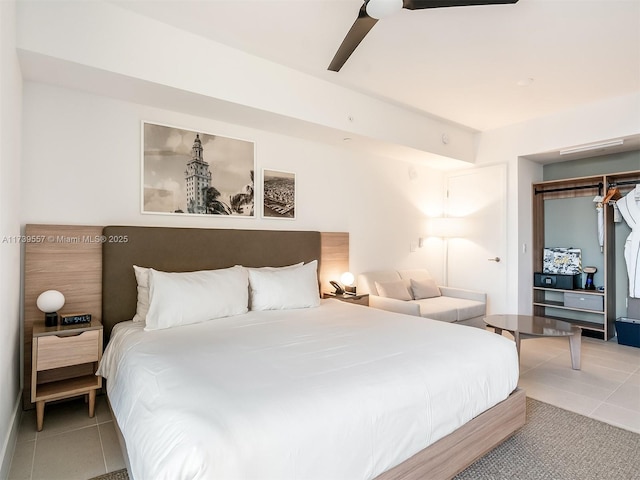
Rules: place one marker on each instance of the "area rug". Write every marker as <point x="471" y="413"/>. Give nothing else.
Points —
<point x="555" y="444"/>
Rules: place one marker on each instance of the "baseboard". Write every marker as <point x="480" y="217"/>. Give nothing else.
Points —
<point x="9" y="445"/>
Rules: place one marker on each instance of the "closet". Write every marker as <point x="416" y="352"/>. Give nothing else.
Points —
<point x="565" y="215"/>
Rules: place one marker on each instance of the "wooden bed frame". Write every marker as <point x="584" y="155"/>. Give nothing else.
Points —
<point x="70" y="261"/>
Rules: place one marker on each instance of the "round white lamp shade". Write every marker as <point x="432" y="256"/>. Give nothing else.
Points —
<point x="50" y="301"/>
<point x="347" y="278"/>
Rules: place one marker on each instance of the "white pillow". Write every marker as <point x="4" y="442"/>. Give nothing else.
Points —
<point x="276" y="268"/>
<point x="142" y="278"/>
<point x="397" y="290"/>
<point x="184" y="298"/>
<point x="426" y="288"/>
<point x="284" y="288"/>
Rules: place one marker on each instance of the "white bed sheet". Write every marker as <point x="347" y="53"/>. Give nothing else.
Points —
<point x="335" y="392"/>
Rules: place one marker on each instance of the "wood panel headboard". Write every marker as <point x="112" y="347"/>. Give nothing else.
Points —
<point x="97" y="277"/>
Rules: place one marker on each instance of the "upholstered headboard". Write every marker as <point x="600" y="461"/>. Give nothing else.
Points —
<point x="189" y="249"/>
<point x="75" y="259"/>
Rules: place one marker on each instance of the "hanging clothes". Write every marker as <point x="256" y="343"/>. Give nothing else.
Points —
<point x="600" y="210"/>
<point x="629" y="207"/>
<point x="600" y="213"/>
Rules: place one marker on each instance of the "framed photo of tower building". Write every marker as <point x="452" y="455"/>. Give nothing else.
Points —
<point x="279" y="194"/>
<point x="187" y="172"/>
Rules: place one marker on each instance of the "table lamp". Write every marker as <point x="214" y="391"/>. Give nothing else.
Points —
<point x="50" y="302"/>
<point x="347" y="280"/>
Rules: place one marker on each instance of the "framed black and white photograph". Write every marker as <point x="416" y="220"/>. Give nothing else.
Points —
<point x="279" y="194"/>
<point x="188" y="172"/>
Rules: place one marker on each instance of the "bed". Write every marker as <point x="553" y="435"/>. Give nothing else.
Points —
<point x="334" y="391"/>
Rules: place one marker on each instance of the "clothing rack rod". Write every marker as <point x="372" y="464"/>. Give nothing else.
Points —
<point x="630" y="182"/>
<point x="564" y="189"/>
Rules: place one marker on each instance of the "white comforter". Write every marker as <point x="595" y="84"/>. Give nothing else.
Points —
<point x="335" y="392"/>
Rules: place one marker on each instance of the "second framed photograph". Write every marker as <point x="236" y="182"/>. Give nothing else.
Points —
<point x="279" y="194"/>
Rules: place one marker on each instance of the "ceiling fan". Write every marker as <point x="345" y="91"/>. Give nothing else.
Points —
<point x="373" y="10"/>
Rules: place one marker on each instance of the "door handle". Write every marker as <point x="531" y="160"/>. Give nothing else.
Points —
<point x="495" y="259"/>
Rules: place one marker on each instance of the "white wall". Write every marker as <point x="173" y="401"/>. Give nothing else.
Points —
<point x="120" y="47"/>
<point x="617" y="117"/>
<point x="81" y="165"/>
<point x="10" y="121"/>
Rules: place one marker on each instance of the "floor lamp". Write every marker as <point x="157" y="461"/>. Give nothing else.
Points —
<point x="446" y="228"/>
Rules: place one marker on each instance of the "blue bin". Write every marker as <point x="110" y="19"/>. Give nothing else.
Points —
<point x="628" y="331"/>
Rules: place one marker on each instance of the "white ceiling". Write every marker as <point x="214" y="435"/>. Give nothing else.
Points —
<point x="462" y="64"/>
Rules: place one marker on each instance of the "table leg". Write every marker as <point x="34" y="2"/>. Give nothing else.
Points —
<point x="575" y="342"/>
<point x="39" y="414"/>
<point x="516" y="337"/>
<point x="497" y="330"/>
<point x="92" y="403"/>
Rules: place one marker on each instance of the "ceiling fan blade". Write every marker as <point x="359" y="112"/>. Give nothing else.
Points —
<point x="364" y="23"/>
<point x="420" y="4"/>
<point x="356" y="33"/>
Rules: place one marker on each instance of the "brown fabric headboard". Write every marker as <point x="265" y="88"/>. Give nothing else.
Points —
<point x="189" y="249"/>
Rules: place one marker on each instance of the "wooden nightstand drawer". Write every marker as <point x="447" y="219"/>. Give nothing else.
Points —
<point x="59" y="357"/>
<point x="61" y="351"/>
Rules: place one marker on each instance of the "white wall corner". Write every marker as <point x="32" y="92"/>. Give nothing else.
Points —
<point x="9" y="442"/>
<point x="10" y="155"/>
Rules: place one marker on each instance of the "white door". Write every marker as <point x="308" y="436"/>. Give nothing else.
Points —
<point x="477" y="259"/>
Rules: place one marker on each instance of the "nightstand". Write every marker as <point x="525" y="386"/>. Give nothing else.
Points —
<point x="346" y="297"/>
<point x="64" y="362"/>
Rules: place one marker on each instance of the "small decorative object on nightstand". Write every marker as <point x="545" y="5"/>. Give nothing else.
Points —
<point x="349" y="298"/>
<point x="64" y="362"/>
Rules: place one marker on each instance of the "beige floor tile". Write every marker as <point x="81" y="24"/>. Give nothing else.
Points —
<point x="555" y="375"/>
<point x="563" y="360"/>
<point x="540" y="347"/>
<point x="589" y="360"/>
<point x="65" y="416"/>
<point x="75" y="455"/>
<point x="560" y="398"/>
<point x="27" y="429"/>
<point x="618" y="416"/>
<point x="567" y="384"/>
<point x="595" y="367"/>
<point x="103" y="413"/>
<point x="111" y="447"/>
<point x="627" y="396"/>
<point x="22" y="461"/>
<point x="634" y="379"/>
<point x="534" y="358"/>
<point x="594" y="375"/>
<point x="549" y="344"/>
<point x="609" y="349"/>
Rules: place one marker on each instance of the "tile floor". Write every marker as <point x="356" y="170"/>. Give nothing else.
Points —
<point x="73" y="446"/>
<point x="607" y="387"/>
<point x="70" y="446"/>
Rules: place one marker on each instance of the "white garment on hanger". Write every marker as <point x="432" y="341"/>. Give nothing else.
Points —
<point x="629" y="207"/>
<point x="598" y="199"/>
<point x="600" y="210"/>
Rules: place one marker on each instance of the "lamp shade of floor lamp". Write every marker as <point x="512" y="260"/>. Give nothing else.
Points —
<point x="446" y="228"/>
